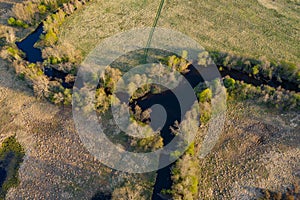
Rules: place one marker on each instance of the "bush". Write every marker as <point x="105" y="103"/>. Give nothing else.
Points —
<point x="179" y="64"/>
<point x="229" y="83"/>
<point x="42" y="9"/>
<point x="50" y="38"/>
<point x="205" y="95"/>
<point x="255" y="70"/>
<point x="11" y="21"/>
<point x="17" y="22"/>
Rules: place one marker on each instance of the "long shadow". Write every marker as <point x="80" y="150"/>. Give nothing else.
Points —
<point x="262" y="193"/>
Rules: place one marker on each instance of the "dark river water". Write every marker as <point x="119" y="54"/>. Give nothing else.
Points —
<point x="2" y="176"/>
<point x="27" y="45"/>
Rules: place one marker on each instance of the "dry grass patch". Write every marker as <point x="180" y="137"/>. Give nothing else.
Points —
<point x="241" y="27"/>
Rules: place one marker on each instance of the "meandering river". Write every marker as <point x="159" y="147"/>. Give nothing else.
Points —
<point x="166" y="99"/>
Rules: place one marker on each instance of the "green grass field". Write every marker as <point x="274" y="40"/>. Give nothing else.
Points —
<point x="252" y="28"/>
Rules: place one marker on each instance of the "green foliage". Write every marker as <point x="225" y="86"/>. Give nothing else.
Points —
<point x="17" y="22"/>
<point x="51" y="25"/>
<point x="11" y="21"/>
<point x="67" y="97"/>
<point x="149" y="144"/>
<point x="261" y="67"/>
<point x="205" y="95"/>
<point x="35" y="70"/>
<point x="50" y="38"/>
<point x="14" y="52"/>
<point x="42" y="9"/>
<point x="60" y="95"/>
<point x="109" y="79"/>
<point x="255" y="70"/>
<point x="11" y="156"/>
<point x="278" y="98"/>
<point x="185" y="178"/>
<point x="179" y="64"/>
<point x="229" y="83"/>
<point x="205" y="112"/>
<point x="102" y="100"/>
<point x="191" y="149"/>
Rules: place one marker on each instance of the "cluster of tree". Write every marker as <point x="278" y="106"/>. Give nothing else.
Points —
<point x="261" y="68"/>
<point x="204" y="98"/>
<point x="106" y="87"/>
<point x="54" y="21"/>
<point x="34" y="76"/>
<point x="26" y="11"/>
<point x="17" y="22"/>
<point x="278" y="98"/>
<point x="31" y="12"/>
<point x="147" y="144"/>
<point x="11" y="157"/>
<point x="63" y="57"/>
<point x="57" y="94"/>
<point x="179" y="64"/>
<point x="140" y="119"/>
<point x="133" y="190"/>
<point x="61" y="54"/>
<point x="185" y="176"/>
<point x="292" y="193"/>
<point x="11" y="53"/>
<point x="50" y="26"/>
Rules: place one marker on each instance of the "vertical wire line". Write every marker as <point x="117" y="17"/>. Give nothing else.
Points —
<point x="158" y="13"/>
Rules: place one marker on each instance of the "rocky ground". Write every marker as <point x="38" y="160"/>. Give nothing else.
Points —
<point x="259" y="149"/>
<point x="56" y="164"/>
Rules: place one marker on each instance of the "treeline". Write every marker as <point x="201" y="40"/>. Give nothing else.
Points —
<point x="261" y="68"/>
<point x="52" y="23"/>
<point x="273" y="97"/>
<point x="61" y="56"/>
<point x="32" y="12"/>
<point x="185" y="176"/>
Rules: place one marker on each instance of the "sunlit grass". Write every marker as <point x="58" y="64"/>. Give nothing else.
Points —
<point x="242" y="27"/>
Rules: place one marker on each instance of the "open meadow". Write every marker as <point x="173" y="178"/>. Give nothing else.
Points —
<point x="253" y="28"/>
